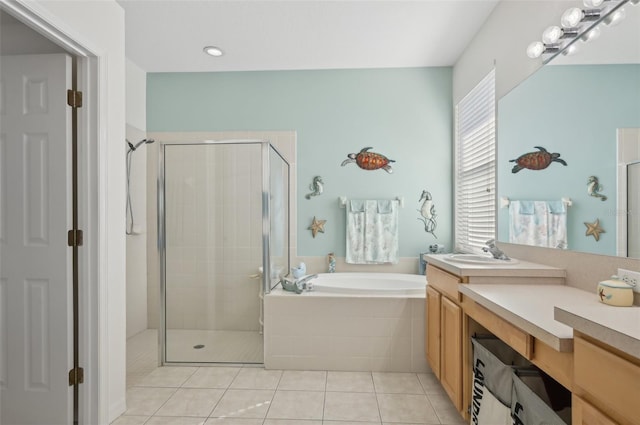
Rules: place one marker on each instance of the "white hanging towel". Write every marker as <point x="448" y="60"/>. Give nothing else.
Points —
<point x="372" y="232"/>
<point x="538" y="223"/>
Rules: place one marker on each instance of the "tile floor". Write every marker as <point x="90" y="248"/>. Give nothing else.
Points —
<point x="224" y="395"/>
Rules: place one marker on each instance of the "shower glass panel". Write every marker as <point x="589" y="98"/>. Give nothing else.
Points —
<point x="279" y="214"/>
<point x="212" y="241"/>
<point x="633" y="210"/>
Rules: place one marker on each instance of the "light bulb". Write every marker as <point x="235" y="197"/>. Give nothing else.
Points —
<point x="592" y="34"/>
<point x="213" y="51"/>
<point x="592" y="3"/>
<point x="535" y="49"/>
<point x="571" y="50"/>
<point x="552" y="35"/>
<point x="615" y="17"/>
<point x="571" y="17"/>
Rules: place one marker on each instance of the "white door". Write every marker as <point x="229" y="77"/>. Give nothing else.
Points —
<point x="35" y="214"/>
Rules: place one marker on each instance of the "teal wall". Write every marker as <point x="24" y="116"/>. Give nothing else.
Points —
<point x="405" y="114"/>
<point x="575" y="111"/>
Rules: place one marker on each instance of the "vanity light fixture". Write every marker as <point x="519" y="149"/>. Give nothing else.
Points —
<point x="578" y="24"/>
<point x="213" y="51"/>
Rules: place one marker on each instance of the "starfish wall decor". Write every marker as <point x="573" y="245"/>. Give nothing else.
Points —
<point x="316" y="226"/>
<point x="594" y="229"/>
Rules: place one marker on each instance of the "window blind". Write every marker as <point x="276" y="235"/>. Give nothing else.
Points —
<point x="475" y="167"/>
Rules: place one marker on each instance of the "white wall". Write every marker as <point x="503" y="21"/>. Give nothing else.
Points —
<point x="99" y="27"/>
<point x="503" y="41"/>
<point x="136" y="90"/>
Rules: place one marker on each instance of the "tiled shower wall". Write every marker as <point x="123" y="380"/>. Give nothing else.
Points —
<point x="214" y="230"/>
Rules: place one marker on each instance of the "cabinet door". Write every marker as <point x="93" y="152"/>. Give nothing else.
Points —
<point x="583" y="413"/>
<point x="451" y="350"/>
<point x="432" y="328"/>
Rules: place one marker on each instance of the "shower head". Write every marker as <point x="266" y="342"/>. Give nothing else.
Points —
<point x="137" y="145"/>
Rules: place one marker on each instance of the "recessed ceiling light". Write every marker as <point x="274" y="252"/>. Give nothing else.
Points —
<point x="213" y="51"/>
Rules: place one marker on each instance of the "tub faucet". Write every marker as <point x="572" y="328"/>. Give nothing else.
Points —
<point x="495" y="251"/>
<point x="304" y="283"/>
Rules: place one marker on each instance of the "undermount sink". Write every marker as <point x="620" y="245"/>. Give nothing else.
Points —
<point x="479" y="259"/>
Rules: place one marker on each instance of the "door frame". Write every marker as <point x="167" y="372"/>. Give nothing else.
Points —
<point x="92" y="188"/>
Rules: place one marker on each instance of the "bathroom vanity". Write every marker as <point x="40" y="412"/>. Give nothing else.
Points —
<point x="589" y="348"/>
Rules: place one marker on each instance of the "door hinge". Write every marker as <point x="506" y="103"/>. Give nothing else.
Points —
<point x="76" y="376"/>
<point x="75" y="237"/>
<point x="74" y="98"/>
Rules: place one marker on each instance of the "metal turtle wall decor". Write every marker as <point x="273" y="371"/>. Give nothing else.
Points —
<point x="369" y="160"/>
<point x="536" y="160"/>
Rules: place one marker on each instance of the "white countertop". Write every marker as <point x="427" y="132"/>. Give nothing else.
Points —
<point x="618" y="327"/>
<point x="551" y="313"/>
<point x="530" y="308"/>
<point x="518" y="269"/>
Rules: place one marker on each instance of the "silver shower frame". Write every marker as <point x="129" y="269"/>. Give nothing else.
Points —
<point x="266" y="227"/>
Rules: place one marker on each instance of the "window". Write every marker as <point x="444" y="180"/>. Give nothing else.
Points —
<point x="475" y="167"/>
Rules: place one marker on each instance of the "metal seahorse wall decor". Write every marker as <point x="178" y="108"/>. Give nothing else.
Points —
<point x="316" y="187"/>
<point x="369" y="160"/>
<point x="593" y="187"/>
<point x="428" y="213"/>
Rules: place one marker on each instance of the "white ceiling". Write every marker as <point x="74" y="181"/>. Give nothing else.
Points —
<point x="168" y="36"/>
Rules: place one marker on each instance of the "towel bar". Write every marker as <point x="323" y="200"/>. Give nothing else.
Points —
<point x="504" y="202"/>
<point x="343" y="201"/>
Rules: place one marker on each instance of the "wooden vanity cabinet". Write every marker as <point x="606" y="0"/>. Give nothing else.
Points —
<point x="443" y="342"/>
<point x="606" y="383"/>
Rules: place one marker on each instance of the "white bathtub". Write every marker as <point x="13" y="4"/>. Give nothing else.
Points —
<point x="370" y="284"/>
<point x="350" y="322"/>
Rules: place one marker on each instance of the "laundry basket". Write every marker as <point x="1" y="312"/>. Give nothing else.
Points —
<point x="538" y="400"/>
<point x="493" y="365"/>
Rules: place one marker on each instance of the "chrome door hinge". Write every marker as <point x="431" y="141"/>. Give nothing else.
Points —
<point x="76" y="376"/>
<point x="75" y="237"/>
<point x="74" y="98"/>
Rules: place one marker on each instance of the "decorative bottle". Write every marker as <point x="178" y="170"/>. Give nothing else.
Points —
<point x="332" y="262"/>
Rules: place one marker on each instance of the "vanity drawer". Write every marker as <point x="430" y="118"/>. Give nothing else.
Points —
<point x="518" y="339"/>
<point x="444" y="282"/>
<point x="608" y="378"/>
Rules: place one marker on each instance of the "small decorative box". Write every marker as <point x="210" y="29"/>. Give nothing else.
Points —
<point x="615" y="292"/>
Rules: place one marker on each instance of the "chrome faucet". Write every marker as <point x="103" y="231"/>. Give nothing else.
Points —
<point x="495" y="251"/>
<point x="304" y="282"/>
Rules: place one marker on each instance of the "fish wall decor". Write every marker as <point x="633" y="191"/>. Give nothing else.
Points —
<point x="369" y="160"/>
<point x="316" y="187"/>
<point x="593" y="187"/>
<point x="536" y="160"/>
<point x="428" y="213"/>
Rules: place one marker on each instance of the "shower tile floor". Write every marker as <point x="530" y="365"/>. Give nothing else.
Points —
<point x="218" y="346"/>
<point x="250" y="395"/>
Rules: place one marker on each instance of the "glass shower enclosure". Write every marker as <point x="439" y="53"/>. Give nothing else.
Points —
<point x="223" y="231"/>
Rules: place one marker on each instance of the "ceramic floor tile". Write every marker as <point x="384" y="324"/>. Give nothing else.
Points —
<point x="294" y="422"/>
<point x="446" y="411"/>
<point x="191" y="402"/>
<point x="397" y="383"/>
<point x="297" y="405"/>
<point x="212" y="377"/>
<point x="410" y="408"/>
<point x="167" y="376"/>
<point x="308" y="380"/>
<point x="130" y="420"/>
<point x="256" y="379"/>
<point x="146" y="401"/>
<point x="340" y="406"/>
<point x="430" y="383"/>
<point x="233" y="421"/>
<point x="350" y="423"/>
<point x="356" y="382"/>
<point x="244" y="404"/>
<point x="173" y="420"/>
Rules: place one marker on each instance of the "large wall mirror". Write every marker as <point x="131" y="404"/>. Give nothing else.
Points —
<point x="584" y="111"/>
